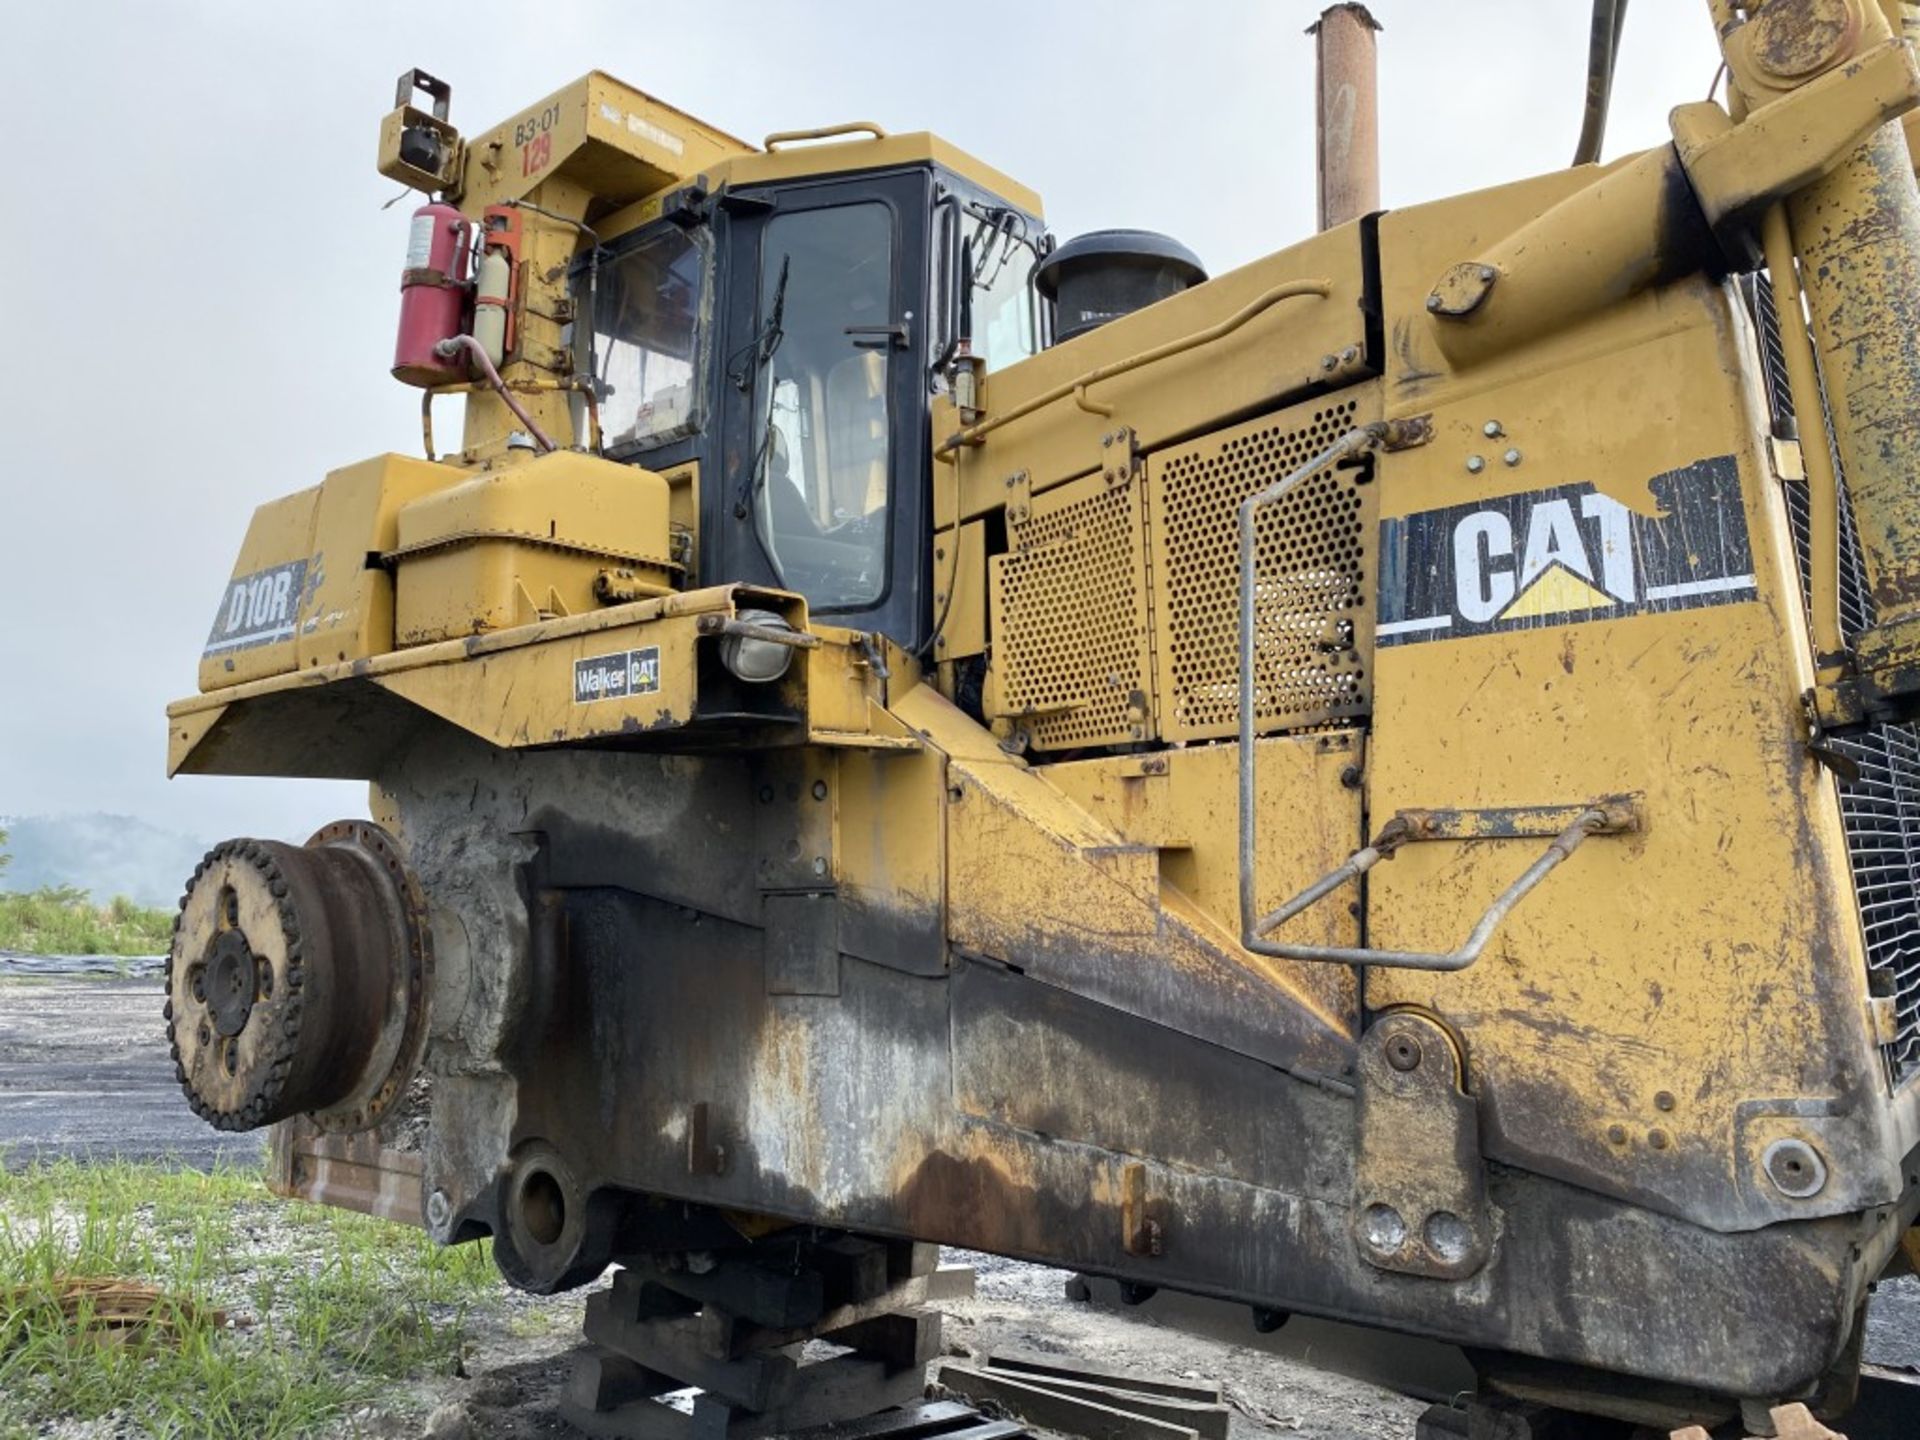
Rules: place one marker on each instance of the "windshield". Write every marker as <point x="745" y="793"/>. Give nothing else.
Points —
<point x="826" y="279"/>
<point x="647" y="307"/>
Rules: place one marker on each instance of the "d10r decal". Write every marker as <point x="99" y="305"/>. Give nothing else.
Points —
<point x="258" y="608"/>
<point x="1564" y="556"/>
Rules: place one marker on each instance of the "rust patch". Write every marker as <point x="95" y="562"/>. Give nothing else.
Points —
<point x="1797" y="39"/>
<point x="978" y="1197"/>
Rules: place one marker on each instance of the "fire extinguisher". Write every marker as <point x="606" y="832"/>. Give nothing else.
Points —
<point x="433" y="297"/>
<point x="494" y="281"/>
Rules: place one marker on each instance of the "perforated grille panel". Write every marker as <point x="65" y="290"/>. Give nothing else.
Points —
<point x="1070" y="617"/>
<point x="1880" y="807"/>
<point x="1313" y="621"/>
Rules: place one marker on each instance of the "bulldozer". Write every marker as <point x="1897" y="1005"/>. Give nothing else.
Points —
<point x="1383" y="784"/>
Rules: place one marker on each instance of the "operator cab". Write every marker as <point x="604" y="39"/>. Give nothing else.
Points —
<point x="775" y="345"/>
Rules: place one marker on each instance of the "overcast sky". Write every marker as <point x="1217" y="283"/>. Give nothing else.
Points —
<point x="201" y="282"/>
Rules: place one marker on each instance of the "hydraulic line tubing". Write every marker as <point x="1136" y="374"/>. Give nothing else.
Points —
<point x="454" y="344"/>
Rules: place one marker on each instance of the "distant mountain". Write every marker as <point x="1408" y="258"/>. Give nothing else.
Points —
<point x="106" y="855"/>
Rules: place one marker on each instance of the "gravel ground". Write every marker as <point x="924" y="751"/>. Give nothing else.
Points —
<point x="84" y="1072"/>
<point x="1023" y="1307"/>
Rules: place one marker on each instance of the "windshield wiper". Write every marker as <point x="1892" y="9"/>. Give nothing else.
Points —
<point x="760" y="353"/>
<point x="754" y="355"/>
<point x="1010" y="228"/>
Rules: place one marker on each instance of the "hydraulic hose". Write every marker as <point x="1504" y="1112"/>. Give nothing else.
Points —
<point x="1603" y="48"/>
<point x="454" y="344"/>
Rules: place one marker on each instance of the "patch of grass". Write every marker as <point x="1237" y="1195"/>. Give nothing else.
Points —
<point x="60" y="920"/>
<point x="329" y="1308"/>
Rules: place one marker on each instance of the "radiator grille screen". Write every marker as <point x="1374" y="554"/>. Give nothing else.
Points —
<point x="1070" y="617"/>
<point x="1881" y="809"/>
<point x="1312" y="614"/>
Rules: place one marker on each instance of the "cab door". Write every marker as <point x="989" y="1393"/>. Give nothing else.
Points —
<point x="824" y="399"/>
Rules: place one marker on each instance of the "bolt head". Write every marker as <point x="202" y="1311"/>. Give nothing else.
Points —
<point x="1403" y="1053"/>
<point x="1512" y="457"/>
<point x="1475" y="464"/>
<point x="1492" y="430"/>
<point x="1795" y="1168"/>
<point x="1383" y="1228"/>
<point x="1487" y="272"/>
<point x="1448" y="1237"/>
<point x="1433" y="302"/>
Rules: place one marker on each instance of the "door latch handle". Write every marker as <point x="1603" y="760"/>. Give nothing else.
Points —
<point x="878" y="337"/>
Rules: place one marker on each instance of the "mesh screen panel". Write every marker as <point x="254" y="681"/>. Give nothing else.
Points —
<point x="1070" y="617"/>
<point x="1313" y="625"/>
<point x="1880" y="810"/>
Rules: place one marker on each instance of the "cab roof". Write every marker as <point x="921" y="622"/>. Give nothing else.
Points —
<point x="876" y="151"/>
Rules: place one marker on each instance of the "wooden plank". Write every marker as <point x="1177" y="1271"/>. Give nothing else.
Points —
<point x="1052" y="1410"/>
<point x="677" y="1348"/>
<point x="843" y="1388"/>
<point x="854" y="1271"/>
<point x="908" y="1296"/>
<point x="910" y="1259"/>
<point x="910" y="1422"/>
<point x="840" y="1391"/>
<point x="602" y="1380"/>
<point x="951" y="1282"/>
<point x="1016" y="1362"/>
<point x="901" y="1341"/>
<point x="766" y="1297"/>
<point x="642" y="1420"/>
<point x="991" y="1430"/>
<point x="1211" y="1420"/>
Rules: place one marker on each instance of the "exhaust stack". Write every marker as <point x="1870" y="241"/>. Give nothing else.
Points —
<point x="1346" y="113"/>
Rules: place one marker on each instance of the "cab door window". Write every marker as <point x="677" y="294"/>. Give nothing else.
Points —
<point x="824" y="441"/>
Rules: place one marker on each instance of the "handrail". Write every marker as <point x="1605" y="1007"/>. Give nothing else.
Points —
<point x="1078" y="387"/>
<point x="824" y="132"/>
<point x="1354" y="442"/>
<point x="1594" y="820"/>
<point x="1601" y="817"/>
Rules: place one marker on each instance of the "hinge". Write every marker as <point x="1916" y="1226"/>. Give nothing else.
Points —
<point x="1019" y="497"/>
<point x="1144" y="716"/>
<point x="1883" y="1019"/>
<point x="1789" y="464"/>
<point x="1883" y="1005"/>
<point x="1119" y="455"/>
<point x="1419" y="1184"/>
